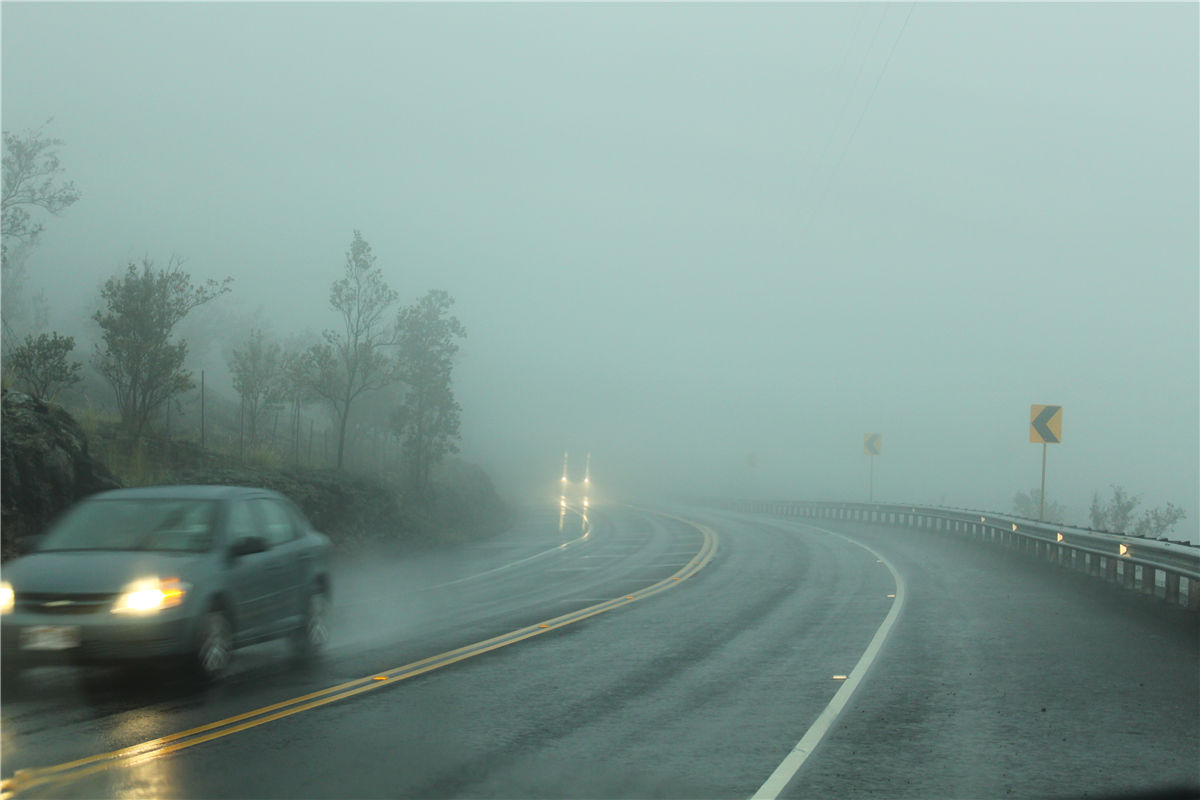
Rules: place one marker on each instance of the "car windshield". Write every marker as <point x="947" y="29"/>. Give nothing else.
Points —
<point x="175" y="524"/>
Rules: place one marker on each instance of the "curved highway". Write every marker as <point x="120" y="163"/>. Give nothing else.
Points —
<point x="694" y="653"/>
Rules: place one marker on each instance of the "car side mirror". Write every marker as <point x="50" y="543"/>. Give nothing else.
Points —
<point x="247" y="545"/>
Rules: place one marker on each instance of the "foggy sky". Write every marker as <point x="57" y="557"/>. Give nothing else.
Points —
<point x="679" y="235"/>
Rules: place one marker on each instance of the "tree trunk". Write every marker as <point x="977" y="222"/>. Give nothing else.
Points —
<point x="252" y="413"/>
<point x="341" y="445"/>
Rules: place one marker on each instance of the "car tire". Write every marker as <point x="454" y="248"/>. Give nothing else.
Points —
<point x="311" y="637"/>
<point x="214" y="645"/>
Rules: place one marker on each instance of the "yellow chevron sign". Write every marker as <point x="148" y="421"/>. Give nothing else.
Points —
<point x="1045" y="424"/>
<point x="872" y="444"/>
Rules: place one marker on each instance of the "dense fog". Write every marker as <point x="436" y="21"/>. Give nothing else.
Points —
<point x="712" y="245"/>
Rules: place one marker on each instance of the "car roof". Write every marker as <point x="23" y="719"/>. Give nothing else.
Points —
<point x="183" y="492"/>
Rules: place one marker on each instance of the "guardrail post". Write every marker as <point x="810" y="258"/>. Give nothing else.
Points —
<point x="1137" y="567"/>
<point x="1171" y="587"/>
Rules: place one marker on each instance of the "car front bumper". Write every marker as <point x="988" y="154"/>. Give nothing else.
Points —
<point x="103" y="638"/>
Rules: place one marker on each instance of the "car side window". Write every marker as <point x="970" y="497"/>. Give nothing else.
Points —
<point x="241" y="521"/>
<point x="299" y="521"/>
<point x="276" y="523"/>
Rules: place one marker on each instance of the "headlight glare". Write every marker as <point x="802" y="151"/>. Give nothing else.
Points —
<point x="6" y="597"/>
<point x="149" y="595"/>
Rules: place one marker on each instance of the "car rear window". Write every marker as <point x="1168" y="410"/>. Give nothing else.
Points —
<point x="179" y="525"/>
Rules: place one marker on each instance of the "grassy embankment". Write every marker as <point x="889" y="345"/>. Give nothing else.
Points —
<point x="355" y="510"/>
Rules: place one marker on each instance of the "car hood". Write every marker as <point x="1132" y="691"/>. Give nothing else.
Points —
<point x="94" y="571"/>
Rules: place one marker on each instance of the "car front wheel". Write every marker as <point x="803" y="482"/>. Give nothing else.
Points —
<point x="214" y="648"/>
<point x="314" y="633"/>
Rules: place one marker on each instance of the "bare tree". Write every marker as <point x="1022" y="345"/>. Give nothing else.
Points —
<point x="137" y="357"/>
<point x="354" y="360"/>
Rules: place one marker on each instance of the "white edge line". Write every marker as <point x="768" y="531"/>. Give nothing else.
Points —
<point x="791" y="764"/>
<point x="558" y="548"/>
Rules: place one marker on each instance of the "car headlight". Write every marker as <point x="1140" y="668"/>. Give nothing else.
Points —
<point x="148" y="595"/>
<point x="6" y="597"/>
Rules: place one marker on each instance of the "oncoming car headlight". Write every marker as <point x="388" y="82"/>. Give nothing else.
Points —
<point x="6" y="597"/>
<point x="149" y="595"/>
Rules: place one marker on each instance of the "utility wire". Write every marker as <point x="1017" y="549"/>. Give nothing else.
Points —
<point x="850" y="141"/>
<point x="837" y="123"/>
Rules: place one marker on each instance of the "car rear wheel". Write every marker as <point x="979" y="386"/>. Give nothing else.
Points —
<point x="214" y="647"/>
<point x="314" y="633"/>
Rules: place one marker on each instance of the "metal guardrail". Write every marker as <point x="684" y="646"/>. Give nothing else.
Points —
<point x="1170" y="570"/>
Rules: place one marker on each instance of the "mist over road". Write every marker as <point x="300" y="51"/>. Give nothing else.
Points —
<point x="998" y="677"/>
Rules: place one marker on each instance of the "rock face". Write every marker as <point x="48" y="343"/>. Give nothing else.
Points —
<point x="44" y="466"/>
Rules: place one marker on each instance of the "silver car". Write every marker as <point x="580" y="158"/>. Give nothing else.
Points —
<point x="166" y="572"/>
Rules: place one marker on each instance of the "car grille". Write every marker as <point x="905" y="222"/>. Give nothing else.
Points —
<point x="37" y="603"/>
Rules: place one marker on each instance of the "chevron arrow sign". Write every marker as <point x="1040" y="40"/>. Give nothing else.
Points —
<point x="872" y="444"/>
<point x="1045" y="424"/>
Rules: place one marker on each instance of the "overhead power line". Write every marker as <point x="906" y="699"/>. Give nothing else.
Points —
<point x="816" y="208"/>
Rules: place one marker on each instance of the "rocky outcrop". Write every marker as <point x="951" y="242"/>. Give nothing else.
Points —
<point x="45" y="466"/>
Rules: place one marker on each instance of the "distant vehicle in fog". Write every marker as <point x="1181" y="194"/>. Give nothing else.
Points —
<point x="175" y="573"/>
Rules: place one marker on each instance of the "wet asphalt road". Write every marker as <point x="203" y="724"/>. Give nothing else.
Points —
<point x="999" y="678"/>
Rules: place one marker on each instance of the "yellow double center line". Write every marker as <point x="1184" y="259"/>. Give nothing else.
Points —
<point x="26" y="779"/>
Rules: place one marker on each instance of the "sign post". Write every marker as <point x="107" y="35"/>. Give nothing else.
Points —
<point x="872" y="446"/>
<point x="1045" y="426"/>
